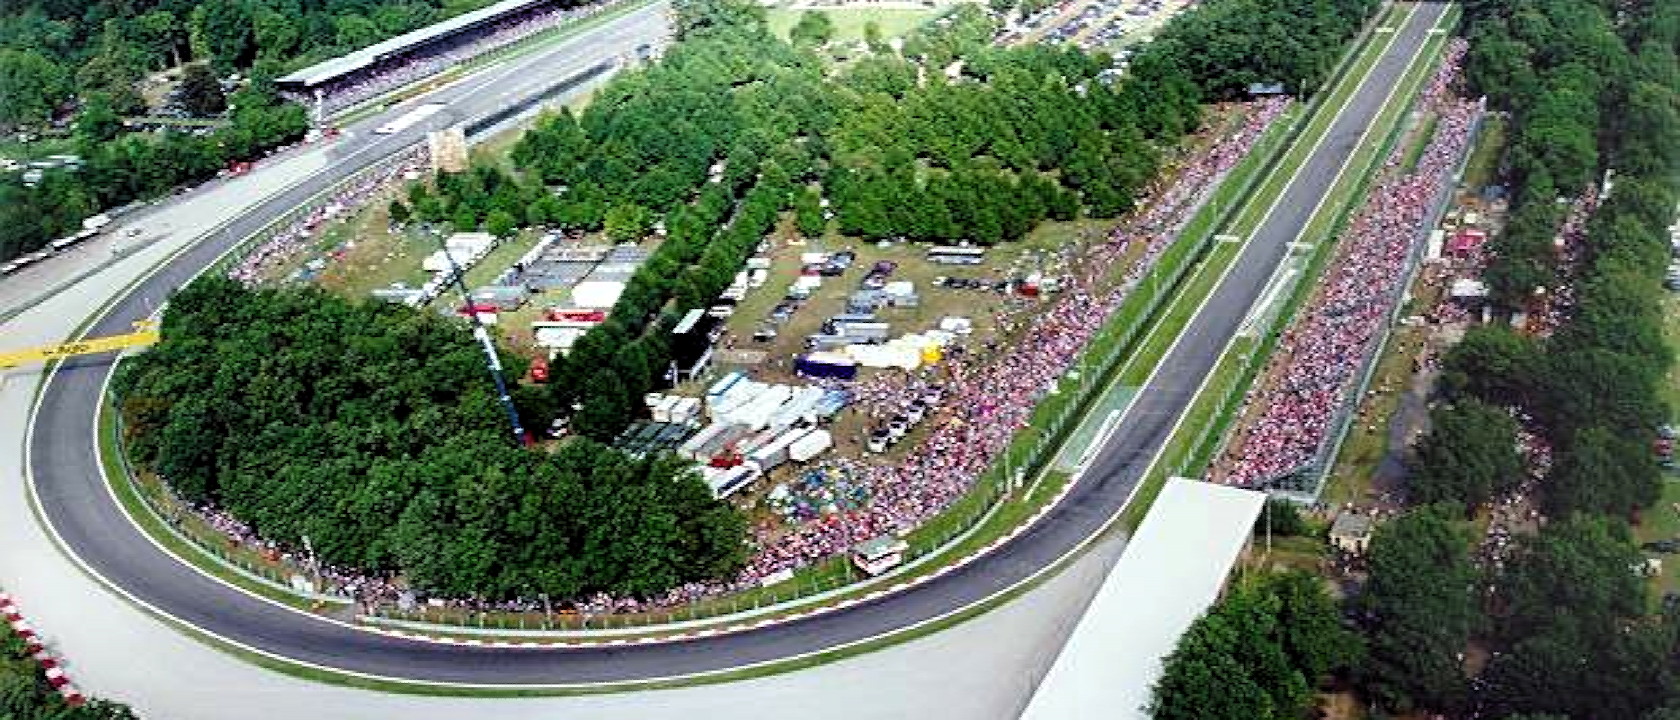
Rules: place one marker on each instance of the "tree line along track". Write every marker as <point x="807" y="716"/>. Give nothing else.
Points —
<point x="77" y="506"/>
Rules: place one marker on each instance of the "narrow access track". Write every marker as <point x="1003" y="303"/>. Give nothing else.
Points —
<point x="80" y="509"/>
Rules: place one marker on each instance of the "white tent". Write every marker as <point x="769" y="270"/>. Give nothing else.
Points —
<point x="597" y="294"/>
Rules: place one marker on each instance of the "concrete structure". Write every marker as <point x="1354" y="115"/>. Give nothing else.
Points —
<point x="329" y="70"/>
<point x="1351" y="533"/>
<point x="449" y="149"/>
<point x="1172" y="570"/>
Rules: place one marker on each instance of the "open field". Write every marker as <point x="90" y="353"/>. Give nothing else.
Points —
<point x="1484" y="159"/>
<point x="849" y="22"/>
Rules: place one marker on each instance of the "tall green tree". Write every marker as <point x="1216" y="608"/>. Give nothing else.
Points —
<point x="814" y="28"/>
<point x="1602" y="658"/>
<point x="1469" y="454"/>
<point x="223" y="32"/>
<point x="201" y="91"/>
<point x="1420" y="609"/>
<point x="31" y="86"/>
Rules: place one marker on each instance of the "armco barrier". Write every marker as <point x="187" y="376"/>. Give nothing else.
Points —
<point x="37" y="648"/>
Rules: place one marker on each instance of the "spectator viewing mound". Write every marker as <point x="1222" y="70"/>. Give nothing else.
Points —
<point x="372" y="431"/>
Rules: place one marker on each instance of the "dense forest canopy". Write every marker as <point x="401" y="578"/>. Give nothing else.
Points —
<point x="1594" y="384"/>
<point x="86" y="62"/>
<point x="946" y="139"/>
<point x="1564" y="621"/>
<point x="373" y="430"/>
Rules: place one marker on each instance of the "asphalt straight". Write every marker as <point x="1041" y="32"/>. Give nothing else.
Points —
<point x="66" y="474"/>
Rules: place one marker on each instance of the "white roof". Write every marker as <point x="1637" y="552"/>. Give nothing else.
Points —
<point x="1170" y="573"/>
<point x="345" y="64"/>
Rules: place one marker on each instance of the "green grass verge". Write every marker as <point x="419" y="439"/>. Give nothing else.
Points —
<point x="850" y="21"/>
<point x="1007" y="517"/>
<point x="1484" y="159"/>
<point x="1252" y="214"/>
<point x="143" y="512"/>
<point x="1213" y="410"/>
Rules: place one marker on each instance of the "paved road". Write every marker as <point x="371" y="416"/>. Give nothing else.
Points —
<point x="468" y="99"/>
<point x="80" y="508"/>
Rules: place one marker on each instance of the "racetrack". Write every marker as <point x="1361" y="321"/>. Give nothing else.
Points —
<point x="67" y="477"/>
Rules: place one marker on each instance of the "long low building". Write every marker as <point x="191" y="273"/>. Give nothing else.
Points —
<point x="338" y="67"/>
<point x="1171" y="571"/>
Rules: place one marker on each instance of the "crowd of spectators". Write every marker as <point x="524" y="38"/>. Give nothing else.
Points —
<point x="1549" y="310"/>
<point x="1289" y="417"/>
<point x="431" y="59"/>
<point x="295" y="235"/>
<point x="982" y="398"/>
<point x="1514" y="512"/>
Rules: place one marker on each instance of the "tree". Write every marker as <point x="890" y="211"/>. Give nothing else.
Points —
<point x="156" y="32"/>
<point x="1256" y="653"/>
<point x="97" y="122"/>
<point x="814" y="28"/>
<point x="222" y="32"/>
<point x="1601" y="659"/>
<point x="628" y="223"/>
<point x="372" y="430"/>
<point x="355" y="31"/>
<point x="399" y="213"/>
<point x="464" y="220"/>
<point x="872" y="37"/>
<point x="1469" y="454"/>
<point x="1420" y="609"/>
<point x="201" y="91"/>
<point x="1602" y="471"/>
<point x="1493" y="364"/>
<point x="808" y="214"/>
<point x="607" y="411"/>
<point x="1281" y="518"/>
<point x="113" y="78"/>
<point x="30" y="87"/>
<point x="502" y="224"/>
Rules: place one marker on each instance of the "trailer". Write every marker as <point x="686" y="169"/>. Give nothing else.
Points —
<point x="864" y="331"/>
<point x="812" y="444"/>
<point x="826" y="365"/>
<point x="756" y="413"/>
<point x="774" y="454"/>
<point x="695" y="447"/>
<point x="723" y="384"/>
<point x="662" y="411"/>
<point x="732" y="480"/>
<point x="686" y="411"/>
<point x="736" y="396"/>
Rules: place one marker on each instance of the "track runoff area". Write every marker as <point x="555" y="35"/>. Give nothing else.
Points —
<point x="70" y="488"/>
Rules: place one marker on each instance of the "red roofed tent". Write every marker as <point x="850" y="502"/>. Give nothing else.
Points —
<point x="1466" y="240"/>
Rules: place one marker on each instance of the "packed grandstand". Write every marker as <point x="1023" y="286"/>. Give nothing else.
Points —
<point x="345" y="81"/>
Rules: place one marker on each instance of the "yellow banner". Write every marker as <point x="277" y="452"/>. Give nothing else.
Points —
<point x="146" y="334"/>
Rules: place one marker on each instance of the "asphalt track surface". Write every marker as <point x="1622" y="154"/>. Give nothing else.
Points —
<point x="80" y="508"/>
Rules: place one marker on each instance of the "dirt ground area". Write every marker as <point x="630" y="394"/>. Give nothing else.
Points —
<point x="354" y="256"/>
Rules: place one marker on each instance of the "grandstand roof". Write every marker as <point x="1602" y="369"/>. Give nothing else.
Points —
<point x="1170" y="572"/>
<point x="346" y="64"/>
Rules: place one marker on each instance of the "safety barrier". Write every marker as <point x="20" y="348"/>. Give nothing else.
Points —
<point x="50" y="666"/>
